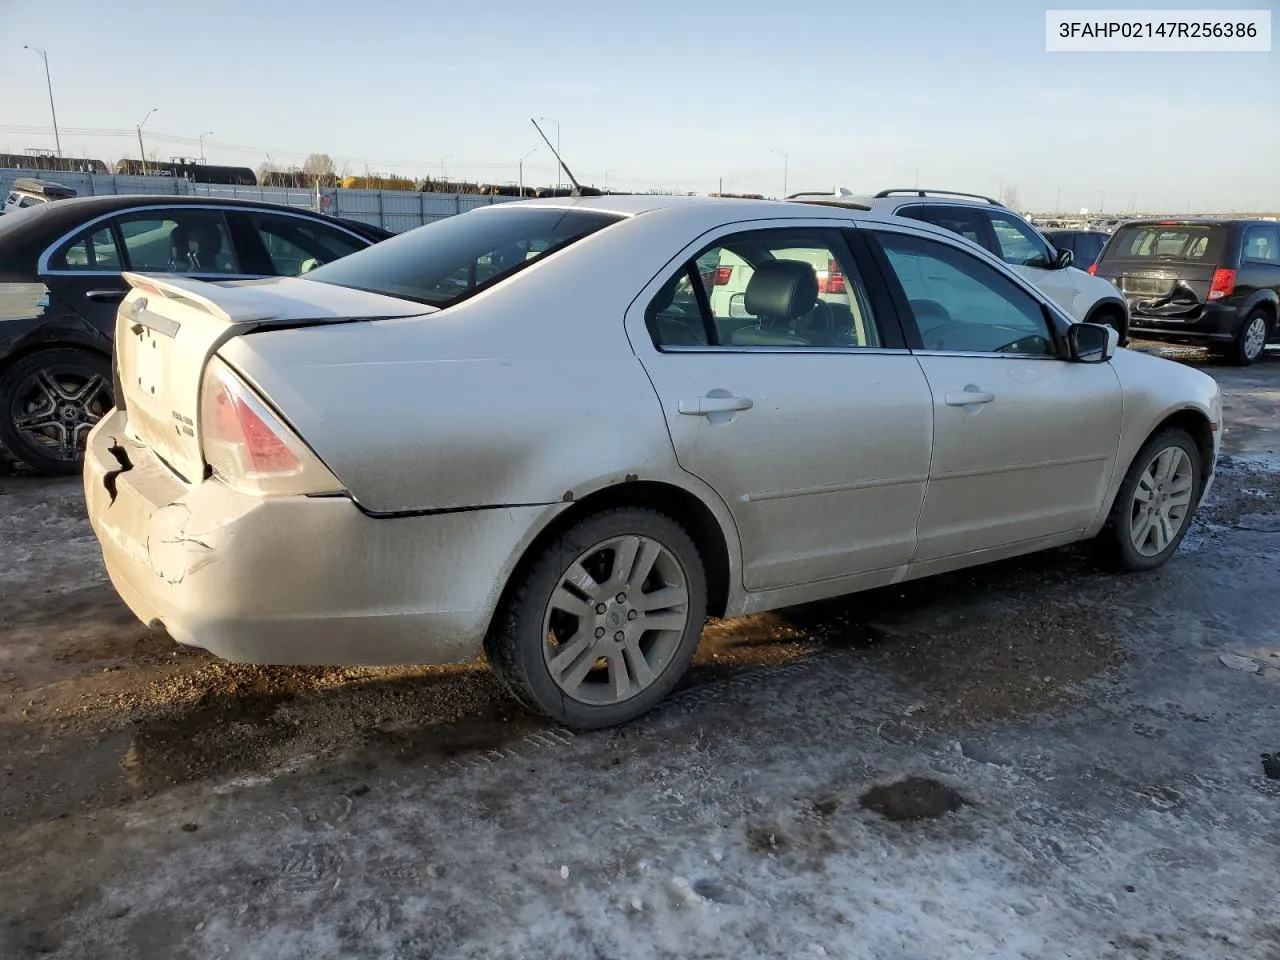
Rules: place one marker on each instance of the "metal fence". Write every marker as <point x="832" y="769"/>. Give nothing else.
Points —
<point x="395" y="210"/>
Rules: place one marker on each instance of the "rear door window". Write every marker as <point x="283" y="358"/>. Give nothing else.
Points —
<point x="178" y="241"/>
<point x="966" y="221"/>
<point x="93" y="250"/>
<point x="447" y="261"/>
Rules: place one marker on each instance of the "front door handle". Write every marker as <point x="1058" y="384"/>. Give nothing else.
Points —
<point x="101" y="295"/>
<point x="970" y="394"/>
<point x="702" y="406"/>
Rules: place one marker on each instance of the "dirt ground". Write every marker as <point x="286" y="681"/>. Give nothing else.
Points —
<point x="1035" y="759"/>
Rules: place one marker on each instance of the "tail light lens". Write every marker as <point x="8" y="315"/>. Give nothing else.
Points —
<point x="835" y="279"/>
<point x="1093" y="269"/>
<point x="1223" y="285"/>
<point x="723" y="275"/>
<point x="246" y="445"/>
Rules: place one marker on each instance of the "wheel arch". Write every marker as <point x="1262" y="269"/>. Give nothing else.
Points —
<point x="1196" y="423"/>
<point x="1110" y="305"/>
<point x="39" y="346"/>
<point x="683" y="506"/>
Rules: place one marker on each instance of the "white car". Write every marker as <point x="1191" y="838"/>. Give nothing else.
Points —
<point x="1008" y="236"/>
<point x="442" y="444"/>
<point x="29" y="192"/>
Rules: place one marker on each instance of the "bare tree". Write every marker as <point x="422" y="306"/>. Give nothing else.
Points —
<point x="264" y="169"/>
<point x="318" y="165"/>
<point x="1010" y="196"/>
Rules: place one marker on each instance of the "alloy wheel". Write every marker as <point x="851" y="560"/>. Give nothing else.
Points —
<point x="1161" y="501"/>
<point x="54" y="410"/>
<point x="616" y="620"/>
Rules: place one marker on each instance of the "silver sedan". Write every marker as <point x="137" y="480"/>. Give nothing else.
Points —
<point x="537" y="430"/>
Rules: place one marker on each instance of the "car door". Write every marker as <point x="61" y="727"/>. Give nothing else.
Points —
<point x="83" y="273"/>
<point x="1024" y="442"/>
<point x="1018" y="244"/>
<point x="801" y="408"/>
<point x="1260" y="263"/>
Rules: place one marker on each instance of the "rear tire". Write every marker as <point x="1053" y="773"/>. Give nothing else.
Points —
<point x="604" y="621"/>
<point x="1251" y="340"/>
<point x="1153" y="510"/>
<point x="49" y="401"/>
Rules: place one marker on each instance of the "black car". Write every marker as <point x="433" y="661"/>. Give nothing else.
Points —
<point x="60" y="285"/>
<point x="1212" y="282"/>
<point x="1085" y="245"/>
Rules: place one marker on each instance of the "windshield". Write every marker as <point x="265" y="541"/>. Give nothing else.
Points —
<point x="449" y="260"/>
<point x="1167" y="242"/>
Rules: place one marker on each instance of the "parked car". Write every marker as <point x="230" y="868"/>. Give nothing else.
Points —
<point x="571" y="460"/>
<point x="30" y="192"/>
<point x="61" y="281"/>
<point x="1211" y="282"/>
<point x="1008" y="236"/>
<point x="1085" y="245"/>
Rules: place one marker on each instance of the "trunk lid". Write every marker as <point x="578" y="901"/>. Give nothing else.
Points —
<point x="1164" y="269"/>
<point x="168" y="327"/>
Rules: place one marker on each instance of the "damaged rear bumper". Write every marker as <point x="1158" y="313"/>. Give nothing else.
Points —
<point x="297" y="580"/>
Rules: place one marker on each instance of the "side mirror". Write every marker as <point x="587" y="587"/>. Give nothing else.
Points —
<point x="1091" y="342"/>
<point x="1065" y="258"/>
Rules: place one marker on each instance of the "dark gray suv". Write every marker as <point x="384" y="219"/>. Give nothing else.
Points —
<point x="1211" y="282"/>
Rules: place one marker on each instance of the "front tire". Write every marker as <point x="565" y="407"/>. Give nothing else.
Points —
<point x="1153" y="509"/>
<point x="49" y="401"/>
<point x="1250" y="341"/>
<point x="604" y="622"/>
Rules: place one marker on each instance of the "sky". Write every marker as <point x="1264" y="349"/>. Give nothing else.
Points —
<point x="943" y="93"/>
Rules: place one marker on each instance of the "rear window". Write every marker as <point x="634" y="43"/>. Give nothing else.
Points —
<point x="1159" y="242"/>
<point x="449" y="260"/>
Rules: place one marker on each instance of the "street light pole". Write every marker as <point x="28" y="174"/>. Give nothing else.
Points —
<point x="522" y="160"/>
<point x="142" y="153"/>
<point x="1057" y="204"/>
<point x="558" y="153"/>
<point x="49" y="83"/>
<point x="606" y="178"/>
<point x="202" y="136"/>
<point x="1102" y="198"/>
<point x="916" y="171"/>
<point x="785" y="162"/>
<point x="443" y="178"/>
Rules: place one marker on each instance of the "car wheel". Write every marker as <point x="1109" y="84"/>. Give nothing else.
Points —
<point x="604" y="621"/>
<point x="1153" y="509"/>
<point x="1250" y="341"/>
<point x="1112" y="319"/>
<point x="49" y="401"/>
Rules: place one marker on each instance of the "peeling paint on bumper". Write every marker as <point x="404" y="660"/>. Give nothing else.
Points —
<point x="295" y="580"/>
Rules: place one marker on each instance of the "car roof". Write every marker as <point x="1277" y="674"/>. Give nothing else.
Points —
<point x="25" y="234"/>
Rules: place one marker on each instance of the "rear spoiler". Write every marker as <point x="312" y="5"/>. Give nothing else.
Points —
<point x="233" y="305"/>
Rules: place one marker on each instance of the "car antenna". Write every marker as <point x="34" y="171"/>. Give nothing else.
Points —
<point x="578" y="189"/>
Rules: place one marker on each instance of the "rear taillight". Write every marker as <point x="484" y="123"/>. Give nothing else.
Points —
<point x="1223" y="285"/>
<point x="835" y="279"/>
<point x="246" y="445"/>
<point x="1093" y="269"/>
<point x="723" y="275"/>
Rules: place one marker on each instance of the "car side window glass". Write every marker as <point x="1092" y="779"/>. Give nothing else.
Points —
<point x="1262" y="244"/>
<point x="178" y="241"/>
<point x="297" y="246"/>
<point x="791" y="288"/>
<point x="1018" y="243"/>
<point x="965" y="221"/>
<point x="93" y="250"/>
<point x="961" y="304"/>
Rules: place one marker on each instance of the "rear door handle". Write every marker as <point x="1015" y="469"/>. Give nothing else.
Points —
<point x="105" y="295"/>
<point x="962" y="398"/>
<point x="702" y="406"/>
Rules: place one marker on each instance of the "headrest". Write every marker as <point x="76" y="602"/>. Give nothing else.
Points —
<point x="785" y="289"/>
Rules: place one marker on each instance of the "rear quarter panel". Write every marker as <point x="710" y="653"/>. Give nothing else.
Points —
<point x="526" y="393"/>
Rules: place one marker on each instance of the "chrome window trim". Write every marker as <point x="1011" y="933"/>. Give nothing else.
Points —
<point x="989" y="355"/>
<point x="42" y="265"/>
<point x="802" y="351"/>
